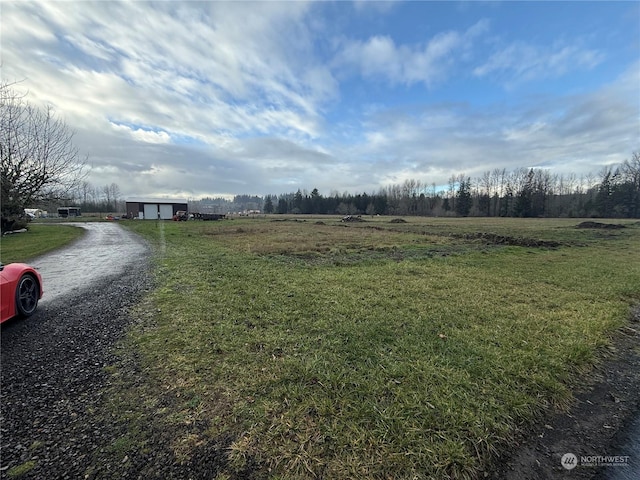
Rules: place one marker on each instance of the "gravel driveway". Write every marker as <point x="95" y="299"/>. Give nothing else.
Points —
<point x="53" y="364"/>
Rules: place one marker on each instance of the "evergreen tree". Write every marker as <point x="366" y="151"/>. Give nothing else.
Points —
<point x="268" y="205"/>
<point x="283" y="206"/>
<point x="297" y="202"/>
<point x="523" y="204"/>
<point x="316" y="201"/>
<point x="463" y="198"/>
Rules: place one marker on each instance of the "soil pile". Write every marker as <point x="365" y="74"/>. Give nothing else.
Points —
<point x="608" y="226"/>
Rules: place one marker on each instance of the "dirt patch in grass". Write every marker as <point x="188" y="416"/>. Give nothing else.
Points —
<point x="608" y="226"/>
<point x="594" y="425"/>
<point x="492" y="238"/>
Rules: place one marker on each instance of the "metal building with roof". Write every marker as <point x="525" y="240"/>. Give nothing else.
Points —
<point x="154" y="208"/>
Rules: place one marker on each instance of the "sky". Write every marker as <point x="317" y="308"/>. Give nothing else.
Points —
<point x="192" y="99"/>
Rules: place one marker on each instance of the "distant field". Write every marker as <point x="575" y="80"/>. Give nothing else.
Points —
<point x="305" y="347"/>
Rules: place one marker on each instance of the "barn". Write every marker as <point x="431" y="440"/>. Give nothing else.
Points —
<point x="154" y="209"/>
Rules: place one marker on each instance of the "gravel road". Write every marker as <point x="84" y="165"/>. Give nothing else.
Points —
<point x="53" y="364"/>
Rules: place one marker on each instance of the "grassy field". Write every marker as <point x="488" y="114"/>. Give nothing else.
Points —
<point x="310" y="348"/>
<point x="38" y="240"/>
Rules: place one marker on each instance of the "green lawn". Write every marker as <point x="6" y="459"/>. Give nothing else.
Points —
<point x="38" y="240"/>
<point x="373" y="349"/>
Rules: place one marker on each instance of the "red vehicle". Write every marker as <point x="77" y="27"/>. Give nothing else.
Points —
<point x="20" y="290"/>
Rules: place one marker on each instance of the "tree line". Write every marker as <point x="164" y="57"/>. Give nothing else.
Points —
<point x="89" y="198"/>
<point x="615" y="192"/>
<point x="533" y="192"/>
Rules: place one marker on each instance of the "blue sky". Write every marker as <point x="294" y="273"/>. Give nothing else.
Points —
<point x="193" y="99"/>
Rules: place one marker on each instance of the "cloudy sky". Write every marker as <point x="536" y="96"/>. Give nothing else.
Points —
<point x="193" y="99"/>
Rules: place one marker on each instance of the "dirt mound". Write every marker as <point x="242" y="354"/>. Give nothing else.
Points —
<point x="599" y="225"/>
<point x="398" y="220"/>
<point x="495" y="239"/>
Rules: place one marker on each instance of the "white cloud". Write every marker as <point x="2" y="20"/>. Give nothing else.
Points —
<point x="147" y="136"/>
<point x="521" y="61"/>
<point x="428" y="63"/>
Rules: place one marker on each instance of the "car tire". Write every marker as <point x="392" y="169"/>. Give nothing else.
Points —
<point x="27" y="295"/>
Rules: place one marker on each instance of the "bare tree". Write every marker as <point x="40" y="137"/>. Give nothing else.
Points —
<point x="115" y="195"/>
<point x="39" y="160"/>
<point x="106" y="193"/>
<point x="631" y="170"/>
<point x="453" y="179"/>
<point x="85" y="191"/>
<point x="486" y="182"/>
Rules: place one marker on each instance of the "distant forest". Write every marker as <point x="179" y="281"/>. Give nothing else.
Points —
<point x="535" y="192"/>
